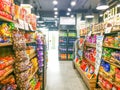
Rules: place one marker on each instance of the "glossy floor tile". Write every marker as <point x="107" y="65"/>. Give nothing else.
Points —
<point x="61" y="75"/>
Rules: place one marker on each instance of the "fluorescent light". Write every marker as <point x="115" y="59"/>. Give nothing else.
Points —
<point x="40" y="21"/>
<point x="55" y="2"/>
<point x="69" y="9"/>
<point x="101" y="15"/>
<point x="56" y="13"/>
<point x="73" y="3"/>
<point x="26" y="5"/>
<point x="89" y="16"/>
<point x="68" y="14"/>
<point x="55" y="9"/>
<point x="103" y="7"/>
<point x="72" y="16"/>
<point x="37" y="16"/>
<point x="83" y="21"/>
<point x="43" y="25"/>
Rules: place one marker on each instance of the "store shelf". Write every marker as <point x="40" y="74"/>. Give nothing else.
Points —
<point x="116" y="84"/>
<point x="5" y="44"/>
<point x="6" y="19"/>
<point x="32" y="55"/>
<point x="105" y="78"/>
<point x="82" y="35"/>
<point x="6" y="74"/>
<point x="71" y="37"/>
<point x="111" y="47"/>
<point x="31" y="42"/>
<point x="101" y="86"/>
<point x="33" y="74"/>
<point x="109" y="61"/>
<point x="90" y="45"/>
<point x="62" y="36"/>
<point x="92" y="63"/>
<point x="91" y="83"/>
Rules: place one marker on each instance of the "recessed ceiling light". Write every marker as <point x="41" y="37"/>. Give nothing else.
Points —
<point x="72" y="16"/>
<point x="102" y="5"/>
<point x="55" y="16"/>
<point x="68" y="14"/>
<point x="55" y="2"/>
<point x="56" y="13"/>
<point x="73" y="3"/>
<point x="69" y="9"/>
<point x="55" y="9"/>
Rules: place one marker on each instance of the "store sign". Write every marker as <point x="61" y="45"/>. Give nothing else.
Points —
<point x="98" y="53"/>
<point x="111" y="13"/>
<point x="67" y="21"/>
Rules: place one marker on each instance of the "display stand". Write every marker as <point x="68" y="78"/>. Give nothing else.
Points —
<point x="91" y="83"/>
<point x="67" y="38"/>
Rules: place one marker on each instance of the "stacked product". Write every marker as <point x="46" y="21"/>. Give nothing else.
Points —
<point x="88" y="69"/>
<point x="71" y="40"/>
<point x="90" y="54"/>
<point x="91" y="39"/>
<point x="112" y="41"/>
<point x="6" y="8"/>
<point x="22" y="63"/>
<point x="5" y="34"/>
<point x="40" y="53"/>
<point x="7" y="80"/>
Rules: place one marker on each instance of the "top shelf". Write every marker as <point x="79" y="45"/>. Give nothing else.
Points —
<point x="6" y="19"/>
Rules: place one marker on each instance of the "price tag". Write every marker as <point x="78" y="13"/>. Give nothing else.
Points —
<point x="26" y="26"/>
<point x="20" y="24"/>
<point x="30" y="27"/>
<point x="108" y="30"/>
<point x="98" y="53"/>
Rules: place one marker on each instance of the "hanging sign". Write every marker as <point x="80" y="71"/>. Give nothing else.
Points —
<point x="67" y="21"/>
<point x="98" y="53"/>
<point x="111" y="13"/>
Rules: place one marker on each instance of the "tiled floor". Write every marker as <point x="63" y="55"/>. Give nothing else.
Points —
<point x="62" y="76"/>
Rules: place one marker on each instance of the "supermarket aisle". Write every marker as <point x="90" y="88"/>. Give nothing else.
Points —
<point x="62" y="76"/>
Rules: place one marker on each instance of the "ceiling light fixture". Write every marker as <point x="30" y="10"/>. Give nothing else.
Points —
<point x="73" y="3"/>
<point x="56" y="13"/>
<point x="72" y="16"/>
<point x="102" y="5"/>
<point x="55" y="2"/>
<point x="37" y="16"/>
<point x="89" y="16"/>
<point x="55" y="8"/>
<point x="118" y="5"/>
<point x="55" y="16"/>
<point x="68" y="14"/>
<point x="69" y="9"/>
<point x="101" y="15"/>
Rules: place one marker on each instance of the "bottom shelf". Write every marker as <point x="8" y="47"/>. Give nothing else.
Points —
<point x="91" y="83"/>
<point x="101" y="86"/>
